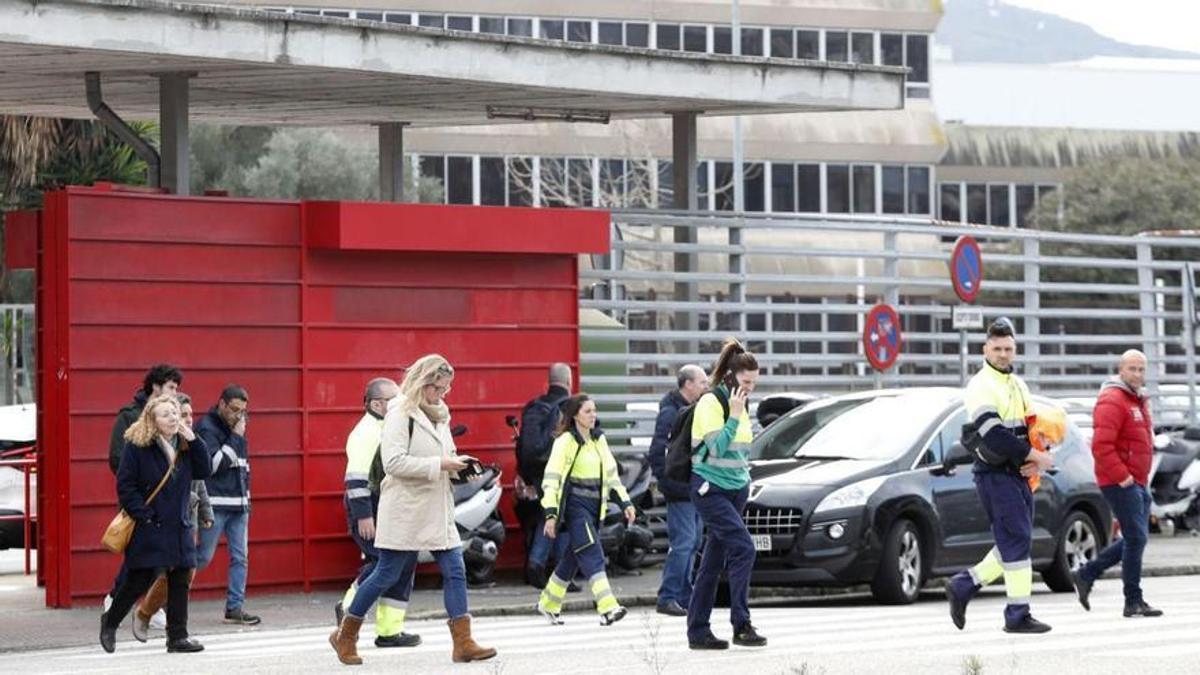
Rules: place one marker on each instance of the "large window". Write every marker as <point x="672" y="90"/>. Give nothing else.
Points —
<point x="837" y="188"/>
<point x="808" y="44"/>
<point x="1003" y="204"/>
<point x="808" y="188"/>
<point x="460" y="182"/>
<point x="837" y="45"/>
<point x="491" y="181"/>
<point x="783" y="187"/>
<point x="864" y="189"/>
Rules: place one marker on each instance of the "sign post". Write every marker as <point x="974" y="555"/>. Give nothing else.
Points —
<point x="966" y="273"/>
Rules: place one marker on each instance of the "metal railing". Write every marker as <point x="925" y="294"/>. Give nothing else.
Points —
<point x="797" y="290"/>
<point x="28" y="467"/>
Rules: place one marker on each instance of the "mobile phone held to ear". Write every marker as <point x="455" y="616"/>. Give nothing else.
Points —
<point x="730" y="381"/>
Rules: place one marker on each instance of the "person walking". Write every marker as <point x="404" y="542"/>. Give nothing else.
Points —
<point x="539" y="420"/>
<point x="416" y="508"/>
<point x="683" y="522"/>
<point x="364" y="474"/>
<point x="154" y="476"/>
<point x="720" y="486"/>
<point x="1123" y="447"/>
<point x="579" y="477"/>
<point x="999" y="411"/>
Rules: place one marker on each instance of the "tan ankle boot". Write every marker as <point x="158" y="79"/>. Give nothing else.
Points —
<point x="345" y="641"/>
<point x="465" y="648"/>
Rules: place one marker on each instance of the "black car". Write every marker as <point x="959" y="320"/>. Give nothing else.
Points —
<point x="876" y="488"/>
<point x="774" y="406"/>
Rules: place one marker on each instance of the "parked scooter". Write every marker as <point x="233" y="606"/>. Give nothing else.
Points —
<point x="626" y="545"/>
<point x="1175" y="482"/>
<point x="476" y="498"/>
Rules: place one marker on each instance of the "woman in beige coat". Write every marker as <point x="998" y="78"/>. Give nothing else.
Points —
<point x="416" y="507"/>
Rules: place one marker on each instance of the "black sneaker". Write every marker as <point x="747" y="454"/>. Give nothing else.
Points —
<point x="671" y="608"/>
<point x="400" y="640"/>
<point x="746" y="636"/>
<point x="1141" y="609"/>
<point x="338" y="613"/>
<point x="1083" y="588"/>
<point x="240" y="616"/>
<point x="612" y="616"/>
<point x="184" y="646"/>
<point x="709" y="641"/>
<point x="958" y="608"/>
<point x="1028" y="625"/>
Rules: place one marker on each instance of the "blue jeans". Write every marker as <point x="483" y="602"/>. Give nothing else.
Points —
<point x="539" y="552"/>
<point x="235" y="525"/>
<point x="683" y="534"/>
<point x="728" y="547"/>
<point x="1131" y="506"/>
<point x="395" y="565"/>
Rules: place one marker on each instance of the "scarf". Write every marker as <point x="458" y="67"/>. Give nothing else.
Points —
<point x="439" y="413"/>
<point x="167" y="447"/>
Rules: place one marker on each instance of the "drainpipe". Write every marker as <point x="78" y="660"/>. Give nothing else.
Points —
<point x="118" y="126"/>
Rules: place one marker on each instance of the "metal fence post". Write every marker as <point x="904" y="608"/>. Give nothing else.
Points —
<point x="1146" y="307"/>
<point x="1033" y="303"/>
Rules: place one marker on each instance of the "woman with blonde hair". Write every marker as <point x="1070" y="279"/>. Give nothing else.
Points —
<point x="159" y="448"/>
<point x="416" y="507"/>
<point x="580" y="474"/>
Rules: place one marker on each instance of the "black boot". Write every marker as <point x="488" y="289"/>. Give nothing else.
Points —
<point x="1083" y="588"/>
<point x="401" y="639"/>
<point x="709" y="641"/>
<point x="1027" y="625"/>
<point x="1140" y="608"/>
<point x="746" y="636"/>
<point x="108" y="634"/>
<point x="184" y="646"/>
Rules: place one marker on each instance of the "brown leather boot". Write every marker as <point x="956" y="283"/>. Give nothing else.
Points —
<point x="345" y="641"/>
<point x="465" y="647"/>
<point x="156" y="599"/>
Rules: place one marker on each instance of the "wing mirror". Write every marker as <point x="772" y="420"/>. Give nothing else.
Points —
<point x="958" y="456"/>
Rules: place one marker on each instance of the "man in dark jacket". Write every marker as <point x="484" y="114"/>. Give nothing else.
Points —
<point x="683" y="522"/>
<point x="1123" y="446"/>
<point x="161" y="378"/>
<point x="224" y="432"/>
<point x="539" y="419"/>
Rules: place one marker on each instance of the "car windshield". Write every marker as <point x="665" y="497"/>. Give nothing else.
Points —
<point x="879" y="428"/>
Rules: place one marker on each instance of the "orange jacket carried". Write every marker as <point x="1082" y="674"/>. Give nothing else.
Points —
<point x="1047" y="428"/>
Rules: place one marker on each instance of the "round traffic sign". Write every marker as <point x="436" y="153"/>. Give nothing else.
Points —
<point x="881" y="337"/>
<point x="966" y="268"/>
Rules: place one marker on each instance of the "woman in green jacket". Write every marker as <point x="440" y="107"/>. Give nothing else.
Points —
<point x="580" y="474"/>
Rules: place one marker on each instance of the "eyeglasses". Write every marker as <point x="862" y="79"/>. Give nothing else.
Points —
<point x="440" y="390"/>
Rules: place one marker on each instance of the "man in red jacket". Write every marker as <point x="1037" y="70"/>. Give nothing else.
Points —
<point x="1122" y="443"/>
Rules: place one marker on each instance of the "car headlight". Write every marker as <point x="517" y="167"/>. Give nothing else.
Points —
<point x="855" y="494"/>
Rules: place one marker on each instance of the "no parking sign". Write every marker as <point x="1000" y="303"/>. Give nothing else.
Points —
<point x="966" y="268"/>
<point x="881" y="337"/>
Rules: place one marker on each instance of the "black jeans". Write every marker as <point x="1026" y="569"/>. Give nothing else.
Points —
<point x="137" y="582"/>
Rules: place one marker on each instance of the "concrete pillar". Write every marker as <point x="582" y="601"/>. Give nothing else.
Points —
<point x="173" y="123"/>
<point x="683" y="162"/>
<point x="391" y="162"/>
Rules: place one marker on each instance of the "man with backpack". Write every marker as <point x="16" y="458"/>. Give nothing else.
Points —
<point x="539" y="418"/>
<point x="683" y="522"/>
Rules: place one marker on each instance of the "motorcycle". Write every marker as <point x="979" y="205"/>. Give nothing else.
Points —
<point x="1175" y="482"/>
<point x="477" y="494"/>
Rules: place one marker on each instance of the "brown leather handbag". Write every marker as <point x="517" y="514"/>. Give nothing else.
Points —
<point x="120" y="530"/>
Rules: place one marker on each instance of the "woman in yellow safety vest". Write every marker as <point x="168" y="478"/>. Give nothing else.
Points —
<point x="579" y="475"/>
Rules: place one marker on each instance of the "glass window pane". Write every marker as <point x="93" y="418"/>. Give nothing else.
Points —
<point x="520" y="27"/>
<point x="808" y="45"/>
<point x="491" y="24"/>
<point x="998" y="204"/>
<point x="723" y="186"/>
<point x="637" y="35"/>
<point x="667" y="36"/>
<point x="893" y="189"/>
<point x="310" y="12"/>
<point x="553" y="185"/>
<point x="808" y="188"/>
<point x="918" y="190"/>
<point x="783" y="188"/>
<point x="864" y="189"/>
<point x="754" y="181"/>
<point x="951" y="202"/>
<point x="977" y="203"/>
<point x="702" y="185"/>
<point x="339" y="13"/>
<point x="461" y="23"/>
<point x="520" y="181"/>
<point x="1025" y="202"/>
<point x="918" y="57"/>
<point x="369" y="16"/>
<point x="610" y="33"/>
<point x="459" y="183"/>
<point x="432" y="167"/>
<point x="782" y="43"/>
<point x="836" y="45"/>
<point x="392" y="17"/>
<point x="666" y="184"/>
<point x="638" y="185"/>
<point x="862" y="48"/>
<point x="551" y="29"/>
<point x="612" y="183"/>
<point x="491" y="181"/>
<point x="892" y="47"/>
<point x="752" y="42"/>
<point x="579" y="186"/>
<point x="431" y="20"/>
<point x="837" y="189"/>
<point x="695" y="38"/>
<point x="579" y="31"/>
<point x="722" y="40"/>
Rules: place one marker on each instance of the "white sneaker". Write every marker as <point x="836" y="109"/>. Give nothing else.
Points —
<point x="159" y="620"/>
<point x="552" y="617"/>
<point x="107" y="602"/>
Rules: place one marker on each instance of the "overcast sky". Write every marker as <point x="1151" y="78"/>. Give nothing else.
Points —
<point x="1162" y="23"/>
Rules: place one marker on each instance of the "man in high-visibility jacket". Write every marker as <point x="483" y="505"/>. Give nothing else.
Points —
<point x="362" y="505"/>
<point x="999" y="407"/>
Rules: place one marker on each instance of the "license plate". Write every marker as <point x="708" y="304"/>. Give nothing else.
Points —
<point x="762" y="542"/>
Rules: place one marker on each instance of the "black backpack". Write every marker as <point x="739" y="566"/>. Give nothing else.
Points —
<point x="539" y="419"/>
<point x="679" y="443"/>
<point x="376" y="475"/>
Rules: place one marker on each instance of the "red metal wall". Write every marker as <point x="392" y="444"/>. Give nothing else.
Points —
<point x="302" y="303"/>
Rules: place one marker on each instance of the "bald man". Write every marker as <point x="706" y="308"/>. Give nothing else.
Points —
<point x="1123" y="444"/>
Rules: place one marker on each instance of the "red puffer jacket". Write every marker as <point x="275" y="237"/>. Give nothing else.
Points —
<point x="1123" y="436"/>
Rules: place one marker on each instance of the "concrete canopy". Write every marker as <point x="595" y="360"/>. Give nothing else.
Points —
<point x="255" y="67"/>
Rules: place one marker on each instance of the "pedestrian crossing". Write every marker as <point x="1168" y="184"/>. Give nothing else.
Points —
<point x="851" y="636"/>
